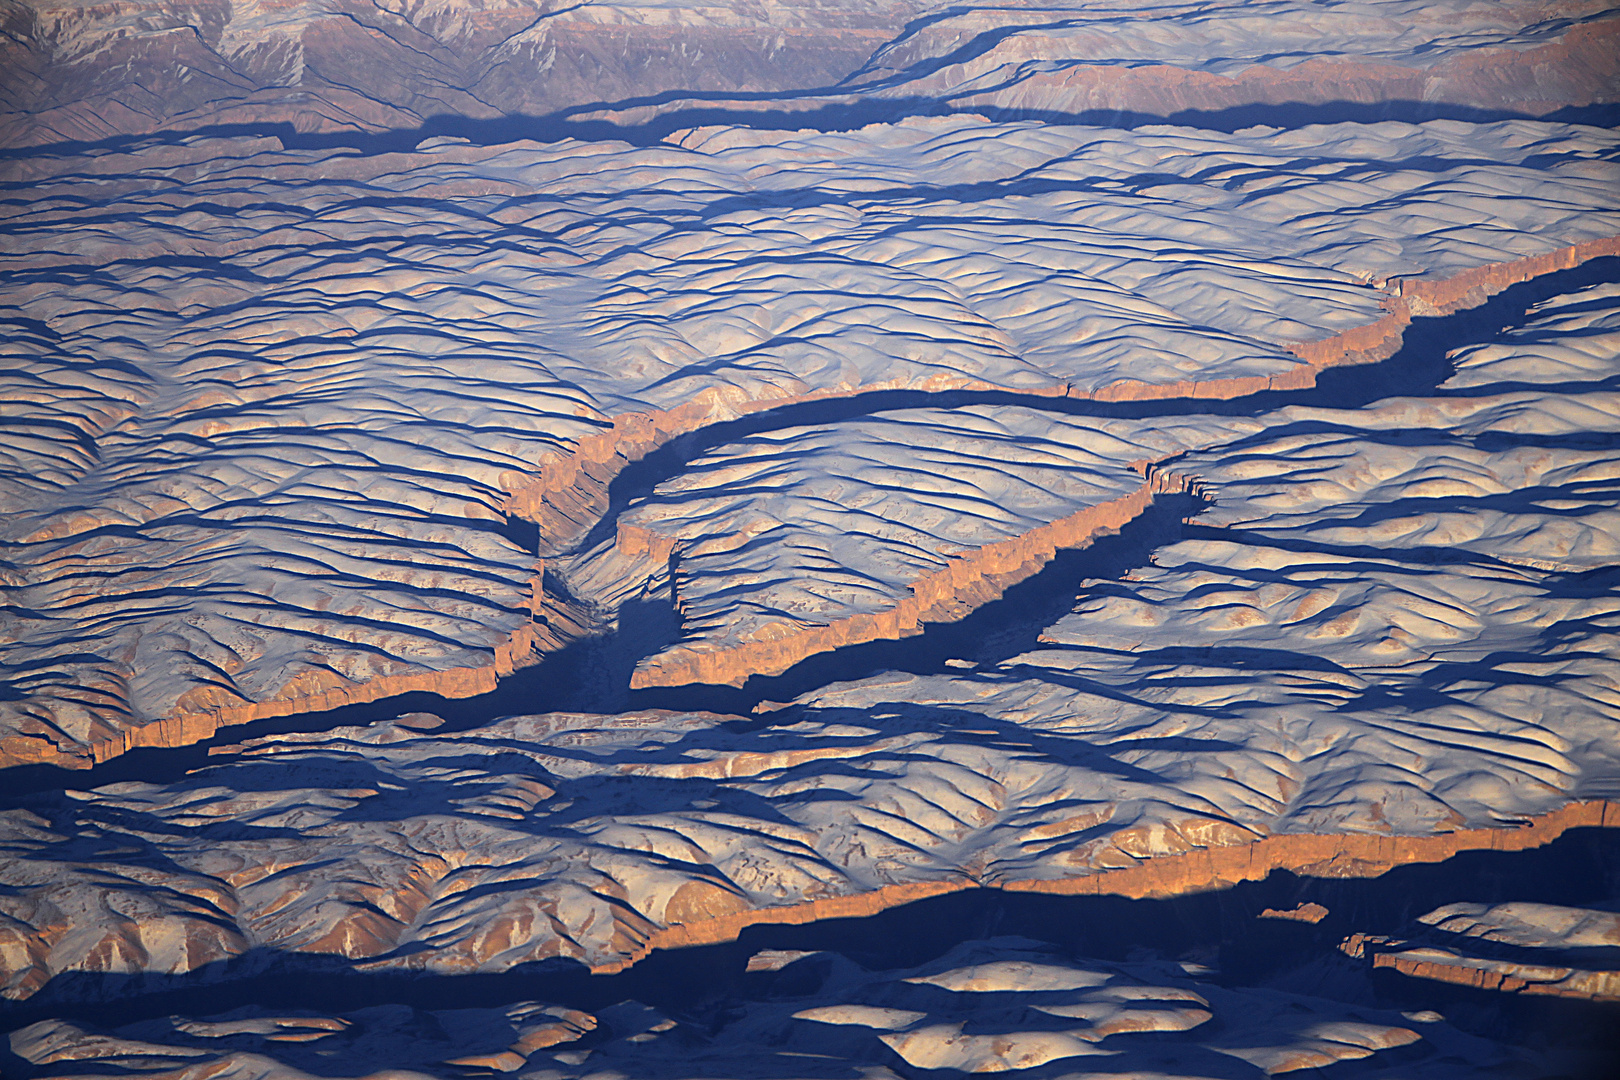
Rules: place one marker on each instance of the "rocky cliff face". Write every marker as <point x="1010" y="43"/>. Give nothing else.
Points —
<point x="244" y="492"/>
<point x="1004" y="1004"/>
<point x="1518" y="948"/>
<point x="1272" y="693"/>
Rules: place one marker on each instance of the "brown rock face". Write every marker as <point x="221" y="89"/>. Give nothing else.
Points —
<point x="1549" y="979"/>
<point x="570" y="493"/>
<point x="395" y="417"/>
<point x="202" y="714"/>
<point x="1514" y="947"/>
<point x="584" y="358"/>
<point x="401" y="846"/>
<point x="1226" y="860"/>
<point x="1307" y="913"/>
<point x="969" y="582"/>
<point x="572" y="489"/>
<point x="524" y="647"/>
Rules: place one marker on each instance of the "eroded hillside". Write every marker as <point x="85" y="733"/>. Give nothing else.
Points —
<point x="805" y="541"/>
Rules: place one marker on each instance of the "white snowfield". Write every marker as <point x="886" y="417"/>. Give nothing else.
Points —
<point x="997" y="1005"/>
<point x="267" y="410"/>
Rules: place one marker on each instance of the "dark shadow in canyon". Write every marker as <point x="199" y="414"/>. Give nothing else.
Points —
<point x="1417" y="368"/>
<point x="1218" y="929"/>
<point x="1008" y="626"/>
<point x="1220" y="933"/>
<point x="831" y="116"/>
<point x="592" y="674"/>
<point x="989" y="635"/>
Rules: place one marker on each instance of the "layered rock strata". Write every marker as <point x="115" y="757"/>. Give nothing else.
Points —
<point x="601" y="838"/>
<point x="943" y="595"/>
<point x="802" y="539"/>
<point x="423" y="346"/>
<point x="290" y="427"/>
<point x="1541" y="950"/>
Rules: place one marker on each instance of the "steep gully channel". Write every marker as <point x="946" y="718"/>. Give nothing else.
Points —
<point x="1574" y="863"/>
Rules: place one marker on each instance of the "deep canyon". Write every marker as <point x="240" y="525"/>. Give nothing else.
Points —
<point x="809" y="540"/>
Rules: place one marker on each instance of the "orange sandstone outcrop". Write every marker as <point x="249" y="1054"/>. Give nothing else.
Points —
<point x="1480" y="973"/>
<point x="569" y="494"/>
<point x="1225" y="861"/>
<point x="1307" y="913"/>
<point x="201" y="714"/>
<point x="569" y="491"/>
<point x="969" y="581"/>
<point x="984" y="574"/>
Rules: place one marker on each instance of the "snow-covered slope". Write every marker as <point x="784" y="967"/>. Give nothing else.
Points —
<point x="1391" y="637"/>
<point x="1517" y="947"/>
<point x="631" y="539"/>
<point x="279" y="416"/>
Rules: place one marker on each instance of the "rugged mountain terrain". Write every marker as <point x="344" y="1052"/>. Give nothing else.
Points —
<point x="82" y="72"/>
<point x="1275" y="691"/>
<point x="239" y="489"/>
<point x="809" y="541"/>
<point x="987" y="1006"/>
